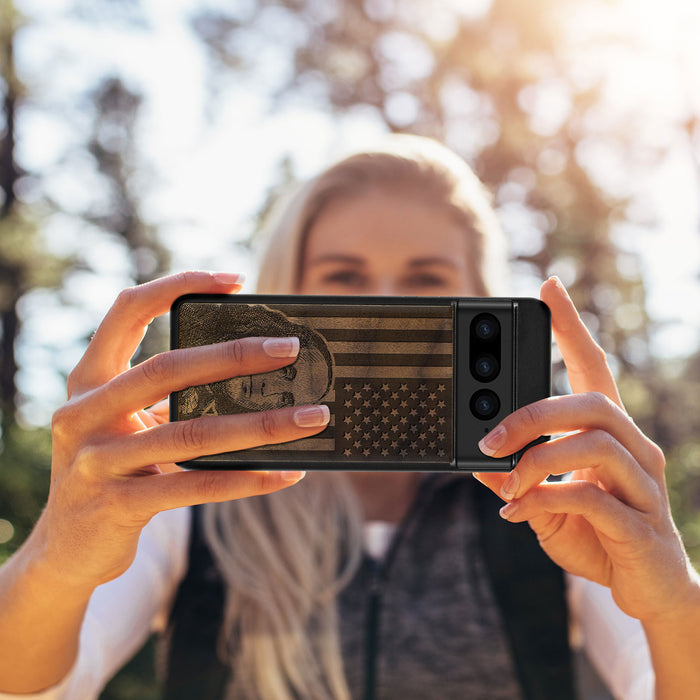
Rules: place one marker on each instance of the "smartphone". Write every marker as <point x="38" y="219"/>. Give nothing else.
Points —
<point x="412" y="383"/>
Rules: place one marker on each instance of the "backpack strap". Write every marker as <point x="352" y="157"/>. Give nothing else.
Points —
<point x="529" y="590"/>
<point x="193" y="667"/>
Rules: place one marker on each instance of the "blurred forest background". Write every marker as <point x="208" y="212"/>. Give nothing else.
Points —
<point x="584" y="127"/>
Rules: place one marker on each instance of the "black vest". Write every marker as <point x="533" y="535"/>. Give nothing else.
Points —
<point x="527" y="586"/>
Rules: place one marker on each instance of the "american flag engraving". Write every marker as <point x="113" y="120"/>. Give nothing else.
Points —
<point x="385" y="371"/>
<point x="393" y="418"/>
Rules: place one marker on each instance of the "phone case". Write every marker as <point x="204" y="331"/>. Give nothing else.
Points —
<point x="412" y="383"/>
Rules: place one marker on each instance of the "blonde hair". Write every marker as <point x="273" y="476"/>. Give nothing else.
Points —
<point x="285" y="556"/>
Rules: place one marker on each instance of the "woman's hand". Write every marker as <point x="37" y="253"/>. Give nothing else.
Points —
<point x="611" y="522"/>
<point x="113" y="458"/>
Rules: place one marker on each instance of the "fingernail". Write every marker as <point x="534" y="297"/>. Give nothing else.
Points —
<point x="490" y="444"/>
<point x="559" y="284"/>
<point x="508" y="510"/>
<point x="229" y="277"/>
<point x="292" y="476"/>
<point x="312" y="416"/>
<point x="510" y="486"/>
<point x="281" y="347"/>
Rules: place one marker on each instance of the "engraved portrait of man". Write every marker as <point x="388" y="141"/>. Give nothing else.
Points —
<point x="305" y="381"/>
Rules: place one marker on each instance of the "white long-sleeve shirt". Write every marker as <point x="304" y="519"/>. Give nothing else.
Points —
<point x="124" y="612"/>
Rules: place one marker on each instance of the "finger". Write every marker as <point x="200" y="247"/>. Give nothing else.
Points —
<point x="563" y="414"/>
<point x="184" y="440"/>
<point x="151" y="494"/>
<point x="125" y="324"/>
<point x="613" y="465"/>
<point x="159" y="413"/>
<point x="492" y="480"/>
<point x="175" y="370"/>
<point x="604" y="512"/>
<point x="586" y="363"/>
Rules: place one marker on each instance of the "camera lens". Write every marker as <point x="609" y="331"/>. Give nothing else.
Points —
<point x="485" y="404"/>
<point x="485" y="367"/>
<point x="486" y="327"/>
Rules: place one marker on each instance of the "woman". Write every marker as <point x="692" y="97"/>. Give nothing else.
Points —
<point x="289" y="576"/>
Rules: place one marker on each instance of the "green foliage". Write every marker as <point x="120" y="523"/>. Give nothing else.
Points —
<point x="21" y="247"/>
<point x="680" y="412"/>
<point x="136" y="680"/>
<point x="25" y="460"/>
<point x="24" y="264"/>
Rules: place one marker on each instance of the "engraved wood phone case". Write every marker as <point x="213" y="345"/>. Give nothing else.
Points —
<point x="411" y="383"/>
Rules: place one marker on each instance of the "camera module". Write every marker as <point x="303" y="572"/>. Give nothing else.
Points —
<point x="485" y="404"/>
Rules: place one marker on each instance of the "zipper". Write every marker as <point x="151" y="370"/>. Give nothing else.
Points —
<point x="378" y="575"/>
<point x="372" y="629"/>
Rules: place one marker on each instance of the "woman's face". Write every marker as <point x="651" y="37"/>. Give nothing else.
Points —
<point x="386" y="244"/>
